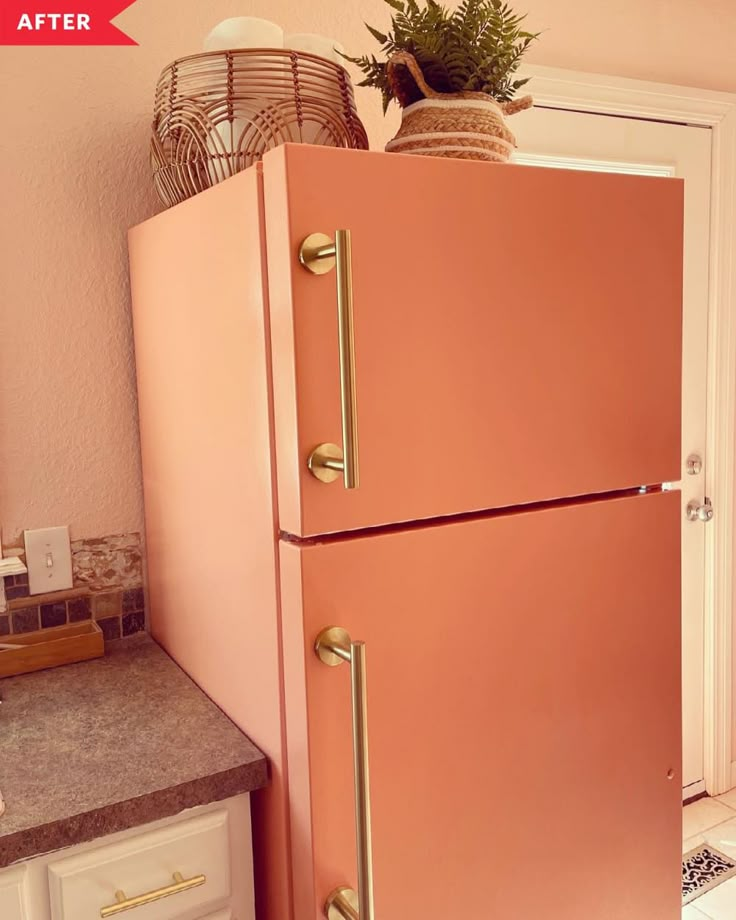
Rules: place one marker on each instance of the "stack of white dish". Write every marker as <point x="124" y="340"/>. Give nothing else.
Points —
<point x="251" y="32"/>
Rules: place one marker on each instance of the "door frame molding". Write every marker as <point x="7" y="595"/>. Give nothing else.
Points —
<point x="609" y="95"/>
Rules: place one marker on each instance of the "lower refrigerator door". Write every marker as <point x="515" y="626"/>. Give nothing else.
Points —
<point x="523" y="712"/>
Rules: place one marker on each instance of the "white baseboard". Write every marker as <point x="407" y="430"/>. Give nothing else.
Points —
<point x="694" y="789"/>
<point x="698" y="788"/>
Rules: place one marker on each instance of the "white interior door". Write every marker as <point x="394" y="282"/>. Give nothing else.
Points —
<point x="577" y="140"/>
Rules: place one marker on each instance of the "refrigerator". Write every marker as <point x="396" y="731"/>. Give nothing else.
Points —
<point x="407" y="429"/>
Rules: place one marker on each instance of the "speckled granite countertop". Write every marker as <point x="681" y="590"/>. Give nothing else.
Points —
<point x="93" y="748"/>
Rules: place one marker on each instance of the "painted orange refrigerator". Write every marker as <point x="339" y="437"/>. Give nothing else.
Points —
<point x="406" y="427"/>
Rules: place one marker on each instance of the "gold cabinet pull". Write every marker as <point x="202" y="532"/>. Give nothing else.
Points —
<point x="320" y="254"/>
<point x="333" y="647"/>
<point x="122" y="903"/>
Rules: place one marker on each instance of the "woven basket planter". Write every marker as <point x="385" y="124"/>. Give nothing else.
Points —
<point x="217" y="113"/>
<point x="468" y="126"/>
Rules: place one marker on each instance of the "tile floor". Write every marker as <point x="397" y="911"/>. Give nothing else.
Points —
<point x="712" y="821"/>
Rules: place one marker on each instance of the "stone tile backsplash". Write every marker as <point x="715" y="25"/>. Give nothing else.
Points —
<point x="108" y="562"/>
<point x="108" y="587"/>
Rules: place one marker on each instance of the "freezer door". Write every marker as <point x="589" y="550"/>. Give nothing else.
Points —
<point x="517" y="333"/>
<point x="523" y="704"/>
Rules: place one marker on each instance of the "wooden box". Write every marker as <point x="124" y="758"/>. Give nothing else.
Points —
<point x="47" y="648"/>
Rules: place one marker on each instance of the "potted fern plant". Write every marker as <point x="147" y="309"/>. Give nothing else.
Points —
<point x="453" y="73"/>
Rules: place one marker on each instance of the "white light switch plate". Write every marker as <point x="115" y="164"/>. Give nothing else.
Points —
<point x="49" y="559"/>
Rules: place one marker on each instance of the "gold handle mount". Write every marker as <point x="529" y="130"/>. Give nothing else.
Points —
<point x="342" y="904"/>
<point x="319" y="254"/>
<point x="180" y="884"/>
<point x="333" y="647"/>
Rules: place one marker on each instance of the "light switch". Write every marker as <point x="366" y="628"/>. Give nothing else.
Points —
<point x="49" y="559"/>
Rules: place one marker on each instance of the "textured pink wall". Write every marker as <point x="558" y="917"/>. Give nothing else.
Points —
<point x="75" y="153"/>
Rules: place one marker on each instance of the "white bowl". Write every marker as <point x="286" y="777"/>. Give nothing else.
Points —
<point x="315" y="44"/>
<point x="244" y="32"/>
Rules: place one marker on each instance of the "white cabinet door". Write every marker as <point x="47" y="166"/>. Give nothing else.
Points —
<point x="213" y="841"/>
<point x="197" y="849"/>
<point x="13" y="898"/>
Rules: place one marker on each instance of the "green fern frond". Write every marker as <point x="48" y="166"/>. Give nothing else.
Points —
<point x="476" y="47"/>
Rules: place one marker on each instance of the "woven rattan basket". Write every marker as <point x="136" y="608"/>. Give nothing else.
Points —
<point x="217" y="113"/>
<point x="467" y="125"/>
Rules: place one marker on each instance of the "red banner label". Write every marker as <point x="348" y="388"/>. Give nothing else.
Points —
<point x="74" y="22"/>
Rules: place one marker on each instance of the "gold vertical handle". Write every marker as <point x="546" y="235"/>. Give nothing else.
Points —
<point x="333" y="647"/>
<point x="346" y="347"/>
<point x="319" y="254"/>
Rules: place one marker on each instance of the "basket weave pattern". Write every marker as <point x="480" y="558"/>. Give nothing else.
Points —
<point x="465" y="125"/>
<point x="217" y="113"/>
